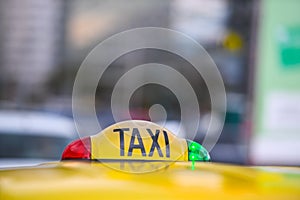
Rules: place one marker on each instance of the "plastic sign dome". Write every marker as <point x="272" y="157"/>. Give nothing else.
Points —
<point x="135" y="140"/>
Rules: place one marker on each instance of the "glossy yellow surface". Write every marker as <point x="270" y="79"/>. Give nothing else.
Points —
<point x="83" y="180"/>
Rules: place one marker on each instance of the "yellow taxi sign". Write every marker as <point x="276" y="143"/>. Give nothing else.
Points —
<point x="138" y="140"/>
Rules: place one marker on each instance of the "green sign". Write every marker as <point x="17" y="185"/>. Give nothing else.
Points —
<point x="276" y="118"/>
<point x="289" y="46"/>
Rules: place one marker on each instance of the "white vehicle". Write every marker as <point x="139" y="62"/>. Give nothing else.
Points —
<point x="29" y="138"/>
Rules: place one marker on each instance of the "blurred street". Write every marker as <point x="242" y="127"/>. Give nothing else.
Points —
<point x="254" y="44"/>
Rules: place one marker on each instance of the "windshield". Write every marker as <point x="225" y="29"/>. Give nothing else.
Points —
<point x="31" y="146"/>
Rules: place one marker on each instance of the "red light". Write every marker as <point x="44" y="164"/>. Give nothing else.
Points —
<point x="78" y="149"/>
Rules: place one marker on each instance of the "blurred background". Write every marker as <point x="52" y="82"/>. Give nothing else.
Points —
<point x="254" y="43"/>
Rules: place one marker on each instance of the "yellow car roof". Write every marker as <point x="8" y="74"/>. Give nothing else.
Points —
<point x="94" y="180"/>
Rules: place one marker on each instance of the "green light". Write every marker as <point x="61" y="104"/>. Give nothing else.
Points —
<point x="193" y="165"/>
<point x="194" y="146"/>
<point x="197" y="152"/>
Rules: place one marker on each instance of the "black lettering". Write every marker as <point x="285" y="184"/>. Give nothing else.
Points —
<point x="121" y="131"/>
<point x="140" y="145"/>
<point x="167" y="144"/>
<point x="154" y="143"/>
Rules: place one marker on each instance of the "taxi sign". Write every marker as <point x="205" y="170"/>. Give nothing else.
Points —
<point x="135" y="140"/>
<point x="138" y="140"/>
